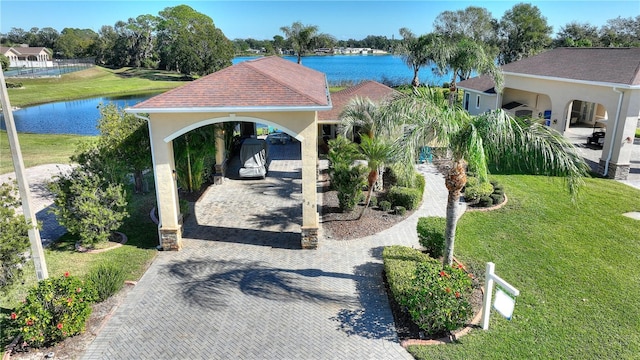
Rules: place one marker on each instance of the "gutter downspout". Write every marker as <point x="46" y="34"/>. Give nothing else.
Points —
<point x="615" y="128"/>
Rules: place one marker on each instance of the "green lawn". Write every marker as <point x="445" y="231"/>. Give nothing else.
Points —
<point x="575" y="267"/>
<point x="93" y="82"/>
<point x="38" y="149"/>
<point x="638" y="133"/>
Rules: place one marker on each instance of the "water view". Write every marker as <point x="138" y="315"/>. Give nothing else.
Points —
<point x="81" y="116"/>
<point x="352" y="69"/>
<point x="68" y="117"/>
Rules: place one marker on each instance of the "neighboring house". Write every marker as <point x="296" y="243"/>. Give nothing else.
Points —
<point x="568" y="87"/>
<point x="328" y="121"/>
<point x="25" y="56"/>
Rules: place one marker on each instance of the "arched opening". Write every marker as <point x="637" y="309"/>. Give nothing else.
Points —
<point x="527" y="104"/>
<point x="229" y="207"/>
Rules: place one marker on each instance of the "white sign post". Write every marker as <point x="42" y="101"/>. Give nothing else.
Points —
<point x="504" y="304"/>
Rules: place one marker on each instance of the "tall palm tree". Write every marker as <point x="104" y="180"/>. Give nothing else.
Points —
<point x="301" y="37"/>
<point x="418" y="52"/>
<point x="475" y="142"/>
<point x="464" y="57"/>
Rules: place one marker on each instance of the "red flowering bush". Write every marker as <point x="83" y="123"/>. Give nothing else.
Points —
<point x="53" y="310"/>
<point x="439" y="298"/>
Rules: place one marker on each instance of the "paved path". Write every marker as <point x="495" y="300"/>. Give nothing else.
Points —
<point x="41" y="200"/>
<point x="253" y="294"/>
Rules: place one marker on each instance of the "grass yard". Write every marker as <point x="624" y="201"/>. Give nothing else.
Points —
<point x="575" y="267"/>
<point x="38" y="149"/>
<point x="93" y="82"/>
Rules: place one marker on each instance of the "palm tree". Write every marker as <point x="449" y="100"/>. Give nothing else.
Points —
<point x="376" y="151"/>
<point x="464" y="57"/>
<point x="475" y="142"/>
<point x="301" y="37"/>
<point x="361" y="116"/>
<point x="417" y="52"/>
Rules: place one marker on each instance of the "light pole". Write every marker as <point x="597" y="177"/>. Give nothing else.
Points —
<point x="25" y="194"/>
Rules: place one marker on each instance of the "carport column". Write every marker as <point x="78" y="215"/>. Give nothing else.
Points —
<point x="221" y="157"/>
<point x="620" y="152"/>
<point x="170" y="219"/>
<point x="309" y="153"/>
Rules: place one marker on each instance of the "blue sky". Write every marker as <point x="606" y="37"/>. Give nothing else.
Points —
<point x="263" y="19"/>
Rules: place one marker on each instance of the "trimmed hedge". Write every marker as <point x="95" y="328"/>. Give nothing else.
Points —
<point x="431" y="234"/>
<point x="400" y="263"/>
<point x="409" y="198"/>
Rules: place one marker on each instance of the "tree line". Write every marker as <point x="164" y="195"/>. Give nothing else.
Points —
<point x="182" y="39"/>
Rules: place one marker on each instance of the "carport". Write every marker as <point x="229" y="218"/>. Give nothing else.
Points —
<point x="271" y="91"/>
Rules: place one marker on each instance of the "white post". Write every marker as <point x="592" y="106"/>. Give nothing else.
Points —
<point x="23" y="186"/>
<point x="490" y="277"/>
<point x="488" y="292"/>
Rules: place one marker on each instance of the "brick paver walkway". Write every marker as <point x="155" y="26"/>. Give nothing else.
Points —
<point x="242" y="288"/>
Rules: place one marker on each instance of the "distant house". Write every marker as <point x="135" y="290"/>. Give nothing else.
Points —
<point x="567" y="87"/>
<point x="328" y="121"/>
<point x="25" y="56"/>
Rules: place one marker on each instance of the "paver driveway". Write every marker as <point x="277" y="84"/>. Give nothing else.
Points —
<point x="242" y="288"/>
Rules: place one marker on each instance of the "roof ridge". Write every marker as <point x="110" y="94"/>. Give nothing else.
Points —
<point x="297" y="91"/>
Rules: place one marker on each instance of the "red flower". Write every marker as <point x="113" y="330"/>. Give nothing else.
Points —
<point x="457" y="294"/>
<point x="14" y="316"/>
<point x="78" y="290"/>
<point x="29" y="322"/>
<point x="66" y="274"/>
<point x="460" y="266"/>
<point x="447" y="290"/>
<point x="59" y="326"/>
<point x="442" y="273"/>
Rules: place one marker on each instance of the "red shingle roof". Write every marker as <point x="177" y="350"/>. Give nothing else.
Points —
<point x="608" y="65"/>
<point x="368" y="89"/>
<point x="269" y="82"/>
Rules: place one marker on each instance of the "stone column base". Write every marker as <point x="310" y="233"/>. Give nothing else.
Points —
<point x="309" y="238"/>
<point x="218" y="177"/>
<point x="616" y="171"/>
<point x="170" y="239"/>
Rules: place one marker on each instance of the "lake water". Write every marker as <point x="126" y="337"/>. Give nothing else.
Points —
<point x="345" y="69"/>
<point x="68" y="117"/>
<point x="81" y="116"/>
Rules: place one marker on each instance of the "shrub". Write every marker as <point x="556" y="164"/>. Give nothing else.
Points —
<point x="348" y="182"/>
<point x="400" y="210"/>
<point x="497" y="198"/>
<point x="408" y="198"/>
<point x="14" y="237"/>
<point x="499" y="191"/>
<point x="485" y="201"/>
<point x="439" y="300"/>
<point x="400" y="266"/>
<point x="373" y="202"/>
<point x="106" y="279"/>
<point x="17" y="85"/>
<point x="54" y="310"/>
<point x="431" y="234"/>
<point x="88" y="206"/>
<point x="385" y="205"/>
<point x="475" y="192"/>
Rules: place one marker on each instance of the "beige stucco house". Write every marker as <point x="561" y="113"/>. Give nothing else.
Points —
<point x="567" y="87"/>
<point x="25" y="56"/>
<point x="271" y="91"/>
